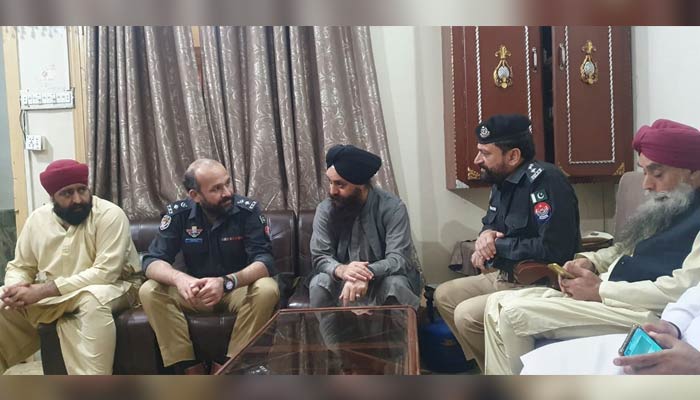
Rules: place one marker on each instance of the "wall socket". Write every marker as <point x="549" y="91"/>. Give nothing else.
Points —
<point x="34" y="143"/>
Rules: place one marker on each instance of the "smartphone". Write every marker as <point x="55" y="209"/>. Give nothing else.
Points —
<point x="638" y="342"/>
<point x="560" y="271"/>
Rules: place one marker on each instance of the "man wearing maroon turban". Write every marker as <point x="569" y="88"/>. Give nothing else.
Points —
<point x="654" y="261"/>
<point x="75" y="264"/>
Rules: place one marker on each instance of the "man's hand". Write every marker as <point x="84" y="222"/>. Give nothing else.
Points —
<point x="354" y="271"/>
<point x="585" y="286"/>
<point x="662" y="327"/>
<point x="352" y="291"/>
<point x="187" y="287"/>
<point x="25" y="294"/>
<point x="486" y="244"/>
<point x="678" y="358"/>
<point x="478" y="263"/>
<point x="209" y="290"/>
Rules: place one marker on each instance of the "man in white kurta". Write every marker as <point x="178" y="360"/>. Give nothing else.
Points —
<point x="653" y="265"/>
<point x="678" y="332"/>
<point x="75" y="264"/>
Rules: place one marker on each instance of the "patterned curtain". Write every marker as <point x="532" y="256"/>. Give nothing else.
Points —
<point x="270" y="102"/>
<point x="145" y="113"/>
<point x="278" y="97"/>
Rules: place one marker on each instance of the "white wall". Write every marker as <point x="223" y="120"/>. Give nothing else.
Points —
<point x="43" y="65"/>
<point x="666" y="75"/>
<point x="6" y="194"/>
<point x="409" y="71"/>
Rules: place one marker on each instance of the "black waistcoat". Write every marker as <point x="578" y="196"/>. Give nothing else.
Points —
<point x="663" y="252"/>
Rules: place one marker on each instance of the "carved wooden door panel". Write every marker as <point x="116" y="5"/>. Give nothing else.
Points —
<point x="592" y="104"/>
<point x="489" y="70"/>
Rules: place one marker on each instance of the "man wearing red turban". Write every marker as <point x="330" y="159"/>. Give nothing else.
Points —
<point x="654" y="261"/>
<point x="75" y="264"/>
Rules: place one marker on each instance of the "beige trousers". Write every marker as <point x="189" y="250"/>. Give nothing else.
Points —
<point x="516" y="319"/>
<point x="461" y="304"/>
<point x="85" y="330"/>
<point x="254" y="305"/>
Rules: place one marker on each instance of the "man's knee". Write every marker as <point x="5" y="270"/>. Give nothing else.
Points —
<point x="265" y="291"/>
<point x="469" y="316"/>
<point x="148" y="290"/>
<point x="321" y="290"/>
<point x="442" y="295"/>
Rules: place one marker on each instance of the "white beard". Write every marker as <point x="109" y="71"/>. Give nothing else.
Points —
<point x="655" y="215"/>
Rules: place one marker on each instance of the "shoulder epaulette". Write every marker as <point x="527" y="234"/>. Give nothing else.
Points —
<point x="177" y="207"/>
<point x="246" y="204"/>
<point x="534" y="170"/>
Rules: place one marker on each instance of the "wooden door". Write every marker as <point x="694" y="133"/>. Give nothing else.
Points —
<point x="473" y="57"/>
<point x="592" y="105"/>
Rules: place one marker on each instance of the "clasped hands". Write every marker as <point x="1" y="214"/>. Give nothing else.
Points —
<point x="485" y="249"/>
<point x="200" y="293"/>
<point x="356" y="276"/>
<point x="21" y="295"/>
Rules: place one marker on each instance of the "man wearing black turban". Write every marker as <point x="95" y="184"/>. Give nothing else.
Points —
<point x="361" y="243"/>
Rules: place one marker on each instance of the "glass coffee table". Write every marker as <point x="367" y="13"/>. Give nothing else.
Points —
<point x="332" y="341"/>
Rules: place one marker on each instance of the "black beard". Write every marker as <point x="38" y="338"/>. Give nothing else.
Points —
<point x="219" y="209"/>
<point x="492" y="177"/>
<point x="74" y="215"/>
<point x="345" y="210"/>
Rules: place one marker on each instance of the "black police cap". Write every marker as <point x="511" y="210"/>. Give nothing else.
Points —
<point x="355" y="165"/>
<point x="500" y="128"/>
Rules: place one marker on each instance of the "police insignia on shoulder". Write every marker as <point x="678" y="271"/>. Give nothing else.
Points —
<point x="247" y="204"/>
<point x="165" y="222"/>
<point x="540" y="195"/>
<point x="533" y="171"/>
<point x="543" y="211"/>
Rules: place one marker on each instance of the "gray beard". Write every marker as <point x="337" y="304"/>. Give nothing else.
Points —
<point x="655" y="215"/>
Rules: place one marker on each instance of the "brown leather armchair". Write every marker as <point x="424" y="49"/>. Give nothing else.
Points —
<point x="137" y="350"/>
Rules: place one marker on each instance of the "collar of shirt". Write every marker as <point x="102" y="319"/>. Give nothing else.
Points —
<point x="518" y="174"/>
<point x="197" y="214"/>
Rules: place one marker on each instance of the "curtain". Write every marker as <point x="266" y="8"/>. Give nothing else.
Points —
<point x="145" y="115"/>
<point x="269" y="103"/>
<point x="277" y="98"/>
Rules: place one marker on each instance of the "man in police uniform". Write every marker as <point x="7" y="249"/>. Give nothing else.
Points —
<point x="532" y="215"/>
<point x="226" y="245"/>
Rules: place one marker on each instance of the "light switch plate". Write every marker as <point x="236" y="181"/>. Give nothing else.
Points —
<point x="34" y="143"/>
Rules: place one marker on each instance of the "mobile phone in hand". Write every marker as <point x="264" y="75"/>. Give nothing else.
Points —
<point x="638" y="342"/>
<point x="560" y="271"/>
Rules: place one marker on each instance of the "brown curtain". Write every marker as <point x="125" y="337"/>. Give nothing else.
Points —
<point x="145" y="113"/>
<point x="274" y="99"/>
<point x="278" y="97"/>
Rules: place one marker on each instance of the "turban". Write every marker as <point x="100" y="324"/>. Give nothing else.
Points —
<point x="62" y="173"/>
<point x="354" y="165"/>
<point x="669" y="143"/>
<point x="500" y="128"/>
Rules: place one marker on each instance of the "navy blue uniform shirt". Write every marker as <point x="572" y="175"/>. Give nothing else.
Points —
<point x="537" y="210"/>
<point x="230" y="244"/>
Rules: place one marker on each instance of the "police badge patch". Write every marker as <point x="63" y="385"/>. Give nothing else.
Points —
<point x="194" y="231"/>
<point x="484" y="132"/>
<point x="543" y="212"/>
<point x="165" y="222"/>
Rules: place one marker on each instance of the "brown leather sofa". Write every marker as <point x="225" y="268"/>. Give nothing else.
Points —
<point x="137" y="351"/>
<point x="300" y="298"/>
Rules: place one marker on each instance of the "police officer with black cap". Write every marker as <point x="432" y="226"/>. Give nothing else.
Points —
<point x="225" y="241"/>
<point x="532" y="215"/>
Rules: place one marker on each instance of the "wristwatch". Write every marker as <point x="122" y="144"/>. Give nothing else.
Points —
<point x="229" y="284"/>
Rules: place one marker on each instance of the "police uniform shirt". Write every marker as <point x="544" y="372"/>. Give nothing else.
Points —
<point x="210" y="250"/>
<point x="537" y="210"/>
